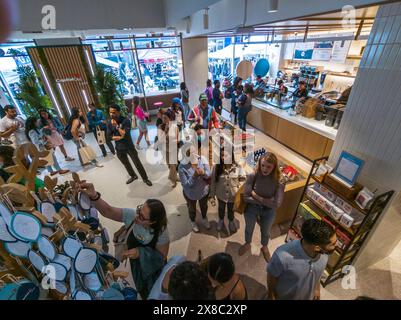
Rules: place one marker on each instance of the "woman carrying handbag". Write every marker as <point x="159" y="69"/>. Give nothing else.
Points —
<point x="85" y="152"/>
<point x="263" y="195"/>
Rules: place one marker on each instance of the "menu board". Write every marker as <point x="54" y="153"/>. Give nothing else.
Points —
<point x="304" y="50"/>
<point x="322" y="51"/>
<point x="340" y="51"/>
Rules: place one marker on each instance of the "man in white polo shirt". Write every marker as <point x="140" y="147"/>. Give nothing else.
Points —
<point x="12" y="127"/>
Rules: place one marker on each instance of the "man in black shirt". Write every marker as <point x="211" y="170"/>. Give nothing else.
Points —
<point x="119" y="130"/>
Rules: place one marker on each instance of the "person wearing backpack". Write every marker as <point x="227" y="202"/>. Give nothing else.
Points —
<point x="244" y="106"/>
<point x="52" y="129"/>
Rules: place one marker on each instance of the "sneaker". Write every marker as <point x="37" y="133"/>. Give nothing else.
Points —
<point x="68" y="158"/>
<point x="232" y="226"/>
<point x="148" y="183"/>
<point x="98" y="165"/>
<point x="244" y="248"/>
<point x="138" y="147"/>
<point x="220" y="225"/>
<point x="194" y="227"/>
<point x="206" y="223"/>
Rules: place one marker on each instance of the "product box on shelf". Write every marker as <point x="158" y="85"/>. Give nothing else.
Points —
<point x="331" y="196"/>
<point x="342" y="240"/>
<point x="328" y="206"/>
<point x="336" y="212"/>
<point x="306" y="212"/>
<point x="343" y="205"/>
<point x="346" y="220"/>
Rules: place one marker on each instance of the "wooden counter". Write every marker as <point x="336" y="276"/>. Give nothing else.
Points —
<point x="293" y="189"/>
<point x="308" y="137"/>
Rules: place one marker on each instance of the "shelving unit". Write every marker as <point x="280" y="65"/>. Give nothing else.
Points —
<point x="350" y="239"/>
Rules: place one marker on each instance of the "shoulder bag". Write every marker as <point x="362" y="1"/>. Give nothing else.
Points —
<point x="120" y="239"/>
<point x="239" y="202"/>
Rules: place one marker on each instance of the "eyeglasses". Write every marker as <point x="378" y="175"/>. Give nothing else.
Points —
<point x="140" y="214"/>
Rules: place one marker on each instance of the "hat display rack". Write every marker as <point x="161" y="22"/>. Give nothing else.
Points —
<point x="52" y="244"/>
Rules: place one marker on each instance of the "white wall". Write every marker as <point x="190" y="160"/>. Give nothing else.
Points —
<point x="91" y="14"/>
<point x="195" y="58"/>
<point x="371" y="127"/>
<point x="228" y="14"/>
<point x="176" y="10"/>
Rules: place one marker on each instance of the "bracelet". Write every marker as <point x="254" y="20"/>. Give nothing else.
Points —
<point x="98" y="195"/>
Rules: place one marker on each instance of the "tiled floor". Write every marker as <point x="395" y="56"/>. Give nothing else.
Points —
<point x="382" y="281"/>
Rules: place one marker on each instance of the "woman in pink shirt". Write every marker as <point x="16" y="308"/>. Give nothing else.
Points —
<point x="141" y="122"/>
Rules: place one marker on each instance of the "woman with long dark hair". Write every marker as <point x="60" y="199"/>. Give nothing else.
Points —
<point x="185" y="99"/>
<point x="263" y="193"/>
<point x="52" y="128"/>
<point x="227" y="178"/>
<point x="227" y="284"/>
<point x="148" y="241"/>
<point x="35" y="135"/>
<point x="77" y="125"/>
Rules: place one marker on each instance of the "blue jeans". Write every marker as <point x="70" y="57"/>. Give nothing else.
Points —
<point x="55" y="165"/>
<point x="266" y="216"/>
<point x="242" y="114"/>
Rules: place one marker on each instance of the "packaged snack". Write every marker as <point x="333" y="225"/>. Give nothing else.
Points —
<point x="347" y="208"/>
<point x="347" y="220"/>
<point x="327" y="193"/>
<point x="328" y="206"/>
<point x="337" y="212"/>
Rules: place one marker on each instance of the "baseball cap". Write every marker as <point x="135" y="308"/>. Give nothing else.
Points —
<point x="203" y="96"/>
<point x="177" y="100"/>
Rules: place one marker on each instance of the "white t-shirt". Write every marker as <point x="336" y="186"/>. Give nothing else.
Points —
<point x="18" y="137"/>
<point x="157" y="291"/>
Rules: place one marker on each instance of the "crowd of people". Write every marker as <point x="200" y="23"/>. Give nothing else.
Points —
<point x="294" y="270"/>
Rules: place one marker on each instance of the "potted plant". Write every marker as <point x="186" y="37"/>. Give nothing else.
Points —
<point x="109" y="88"/>
<point x="31" y="96"/>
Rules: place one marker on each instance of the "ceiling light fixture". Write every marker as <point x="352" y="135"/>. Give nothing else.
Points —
<point x="273" y="6"/>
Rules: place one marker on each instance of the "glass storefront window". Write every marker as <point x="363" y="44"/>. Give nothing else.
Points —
<point x="123" y="63"/>
<point x="160" y="69"/>
<point x="220" y="58"/>
<point x="12" y="56"/>
<point x="149" y="43"/>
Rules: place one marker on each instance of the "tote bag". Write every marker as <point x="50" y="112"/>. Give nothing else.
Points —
<point x="120" y="241"/>
<point x="239" y="203"/>
<point x="87" y="154"/>
<point x="101" y="136"/>
<point x="49" y="158"/>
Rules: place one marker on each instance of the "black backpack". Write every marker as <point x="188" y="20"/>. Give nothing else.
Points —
<point x="67" y="132"/>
